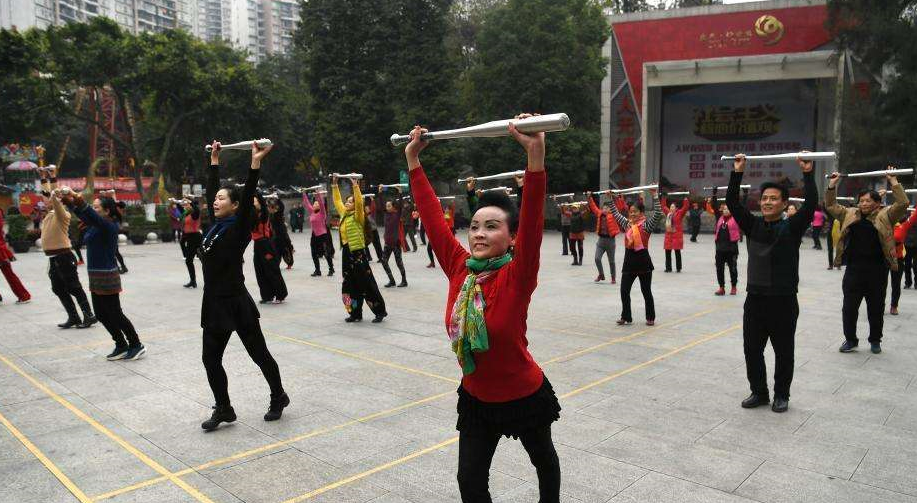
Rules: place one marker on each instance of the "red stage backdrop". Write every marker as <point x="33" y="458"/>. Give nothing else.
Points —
<point x="798" y="29"/>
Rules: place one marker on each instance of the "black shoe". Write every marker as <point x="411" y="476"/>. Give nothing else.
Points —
<point x="907" y="287"/>
<point x="70" y="323"/>
<point x="317" y="273"/>
<point x="220" y="415"/>
<point x="331" y="272"/>
<point x="262" y="301"/>
<point x="755" y="400"/>
<point x="353" y="319"/>
<point x="275" y="410"/>
<point x="390" y="284"/>
<point x="123" y="270"/>
<point x="667" y="270"/>
<point x="403" y="283"/>
<point x="379" y="318"/>
<point x="192" y="284"/>
<point x="135" y="353"/>
<point x="88" y="321"/>
<point x="875" y="347"/>
<point x="780" y="404"/>
<point x="118" y="354"/>
<point x="848" y="347"/>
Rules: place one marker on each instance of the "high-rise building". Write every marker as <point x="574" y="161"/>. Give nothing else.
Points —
<point x="261" y="27"/>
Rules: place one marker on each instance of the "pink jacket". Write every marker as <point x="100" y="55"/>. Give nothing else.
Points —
<point x="732" y="225"/>
<point x="318" y="218"/>
<point x="818" y="219"/>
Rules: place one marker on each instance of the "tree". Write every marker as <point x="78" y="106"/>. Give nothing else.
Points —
<point x="27" y="106"/>
<point x="879" y="118"/>
<point x="541" y="56"/>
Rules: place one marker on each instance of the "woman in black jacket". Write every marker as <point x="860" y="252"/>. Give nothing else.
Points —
<point x="227" y="305"/>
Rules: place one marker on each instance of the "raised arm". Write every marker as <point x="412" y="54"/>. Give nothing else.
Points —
<point x="336" y="199"/>
<point x="213" y="179"/>
<point x="685" y="206"/>
<point x="594" y="208"/>
<point x="359" y="212"/>
<point x="446" y="247"/>
<point x="244" y="213"/>
<point x="739" y="211"/>
<point x="651" y="222"/>
<point x="800" y="221"/>
<point x="307" y="203"/>
<point x="619" y="218"/>
<point x="664" y="204"/>
<point x="527" y="250"/>
<point x="899" y="208"/>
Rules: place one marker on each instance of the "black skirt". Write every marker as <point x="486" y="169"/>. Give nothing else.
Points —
<point x="228" y="314"/>
<point x="511" y="418"/>
<point x="636" y="262"/>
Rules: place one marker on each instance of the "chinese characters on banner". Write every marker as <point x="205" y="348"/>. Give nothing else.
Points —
<point x="701" y="124"/>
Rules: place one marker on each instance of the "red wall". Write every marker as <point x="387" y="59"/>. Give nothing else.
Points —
<point x="733" y="34"/>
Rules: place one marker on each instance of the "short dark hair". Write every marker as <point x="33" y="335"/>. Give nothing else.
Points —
<point x="109" y="205"/>
<point x="871" y="193"/>
<point x="235" y="194"/>
<point x="784" y="191"/>
<point x="639" y="205"/>
<point x="502" y="201"/>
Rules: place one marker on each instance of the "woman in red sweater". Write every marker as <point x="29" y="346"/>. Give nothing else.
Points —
<point x="901" y="229"/>
<point x="674" y="231"/>
<point x="503" y="390"/>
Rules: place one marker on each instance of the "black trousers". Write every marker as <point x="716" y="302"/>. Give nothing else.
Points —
<point x="646" y="286"/>
<point x="910" y="265"/>
<point x="864" y="283"/>
<point x="829" y="239"/>
<point x="386" y="255"/>
<point x="189" y="243"/>
<point x="423" y="234"/>
<point x="668" y="260"/>
<point x="65" y="283"/>
<point x="411" y="233"/>
<point x="770" y="317"/>
<point x="430" y="254"/>
<point x="896" y="282"/>
<point x="565" y="237"/>
<point x="359" y="284"/>
<point x="321" y="246"/>
<point x="695" y="230"/>
<point x="253" y="339"/>
<point x="377" y="246"/>
<point x="816" y="234"/>
<point x="267" y="271"/>
<point x="109" y="313"/>
<point x="476" y="452"/>
<point x="576" y="249"/>
<point x="120" y="259"/>
<point x="722" y="259"/>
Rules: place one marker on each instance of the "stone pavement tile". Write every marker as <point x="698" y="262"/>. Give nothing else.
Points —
<point x="283" y="475"/>
<point x="659" y="488"/>
<point x="111" y="384"/>
<point x="728" y="406"/>
<point x="96" y="463"/>
<point x="704" y="465"/>
<point x="418" y="424"/>
<point x="193" y="446"/>
<point x="855" y="407"/>
<point x="653" y="417"/>
<point x="866" y="436"/>
<point x="585" y="476"/>
<point x="528" y="492"/>
<point x="147" y="413"/>
<point x="775" y="483"/>
<point x="889" y="468"/>
<point x="904" y="417"/>
<point x="349" y="445"/>
<point x="406" y="385"/>
<point x="389" y="498"/>
<point x="169" y="492"/>
<point x="30" y="482"/>
<point x="430" y="477"/>
<point x="351" y="399"/>
<point x="776" y="442"/>
<point x="582" y="431"/>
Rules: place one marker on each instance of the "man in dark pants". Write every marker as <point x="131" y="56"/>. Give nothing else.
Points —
<point x="867" y="246"/>
<point x="771" y="308"/>
<point x="694" y="220"/>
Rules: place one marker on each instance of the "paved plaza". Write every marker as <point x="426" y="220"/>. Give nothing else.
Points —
<point x="650" y="414"/>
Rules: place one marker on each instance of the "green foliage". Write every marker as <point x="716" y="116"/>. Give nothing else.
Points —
<point x="27" y="104"/>
<point x="524" y="63"/>
<point x="878" y="124"/>
<point x="19" y="227"/>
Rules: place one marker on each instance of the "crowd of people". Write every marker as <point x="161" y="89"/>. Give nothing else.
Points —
<point x="491" y="281"/>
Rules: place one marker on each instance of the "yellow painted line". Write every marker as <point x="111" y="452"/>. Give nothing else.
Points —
<point x="265" y="448"/>
<point x="629" y="337"/>
<point x="371" y="471"/>
<point x="652" y="361"/>
<point x="76" y="491"/>
<point x="453" y="440"/>
<point x="358" y="356"/>
<point x="108" y="433"/>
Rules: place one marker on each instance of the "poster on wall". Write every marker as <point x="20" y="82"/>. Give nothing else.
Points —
<point x="702" y="123"/>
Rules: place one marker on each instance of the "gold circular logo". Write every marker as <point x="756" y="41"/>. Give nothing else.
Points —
<point x="769" y="28"/>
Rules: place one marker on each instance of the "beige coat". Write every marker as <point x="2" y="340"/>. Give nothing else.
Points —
<point x="884" y="221"/>
<point x="55" y="227"/>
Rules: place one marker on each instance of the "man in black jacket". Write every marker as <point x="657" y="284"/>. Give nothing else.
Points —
<point x="771" y="307"/>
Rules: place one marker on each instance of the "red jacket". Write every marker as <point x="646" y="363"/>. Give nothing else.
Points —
<point x="901" y="232"/>
<point x="675" y="240"/>
<point x="507" y="370"/>
<point x="610" y="223"/>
